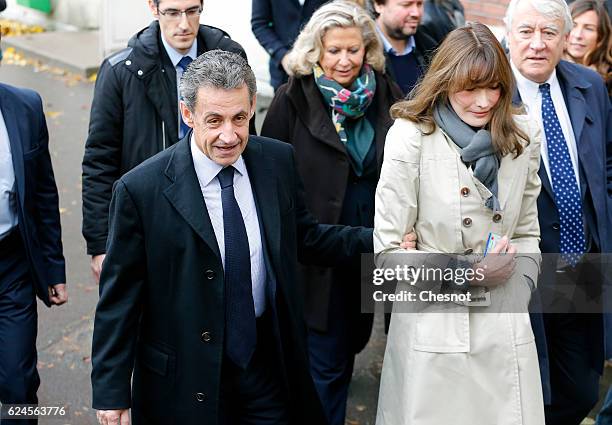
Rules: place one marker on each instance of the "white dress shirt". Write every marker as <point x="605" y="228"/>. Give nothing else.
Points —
<point x="207" y="171"/>
<point x="301" y="2"/>
<point x="532" y="98"/>
<point x="175" y="58"/>
<point x="8" y="213"/>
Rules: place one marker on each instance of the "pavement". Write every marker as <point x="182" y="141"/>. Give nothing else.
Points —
<point x="75" y="51"/>
<point x="64" y="333"/>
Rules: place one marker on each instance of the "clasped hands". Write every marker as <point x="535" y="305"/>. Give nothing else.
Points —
<point x="496" y="267"/>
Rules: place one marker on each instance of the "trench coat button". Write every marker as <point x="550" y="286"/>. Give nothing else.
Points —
<point x="465" y="191"/>
<point x="140" y="72"/>
<point x="555" y="226"/>
<point x="468" y="251"/>
<point x="497" y="217"/>
<point x="128" y="62"/>
<point x="210" y="275"/>
<point x="467" y="222"/>
<point x="200" y="397"/>
<point x="206" y="337"/>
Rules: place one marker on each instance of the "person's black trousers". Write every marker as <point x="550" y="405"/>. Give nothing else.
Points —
<point x="258" y="394"/>
<point x="574" y="381"/>
<point x="19" y="378"/>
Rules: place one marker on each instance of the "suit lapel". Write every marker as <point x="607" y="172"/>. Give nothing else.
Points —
<point x="11" y="121"/>
<point x="517" y="101"/>
<point x="264" y="186"/>
<point x="185" y="195"/>
<point x="572" y="85"/>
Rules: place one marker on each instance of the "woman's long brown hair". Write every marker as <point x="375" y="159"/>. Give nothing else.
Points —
<point x="470" y="57"/>
<point x="600" y="58"/>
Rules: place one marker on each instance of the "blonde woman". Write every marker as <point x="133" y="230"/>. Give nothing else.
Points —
<point x="335" y="112"/>
<point x="461" y="163"/>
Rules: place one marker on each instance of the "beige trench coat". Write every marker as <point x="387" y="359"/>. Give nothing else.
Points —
<point x="465" y="366"/>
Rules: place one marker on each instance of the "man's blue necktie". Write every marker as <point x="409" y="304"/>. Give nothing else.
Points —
<point x="240" y="326"/>
<point x="183" y="64"/>
<point x="564" y="183"/>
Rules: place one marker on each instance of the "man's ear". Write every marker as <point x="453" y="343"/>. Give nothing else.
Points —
<point x="187" y="115"/>
<point x="253" y="105"/>
<point x="377" y="7"/>
<point x="153" y="8"/>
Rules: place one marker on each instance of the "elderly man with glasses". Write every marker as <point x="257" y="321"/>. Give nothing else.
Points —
<point x="135" y="111"/>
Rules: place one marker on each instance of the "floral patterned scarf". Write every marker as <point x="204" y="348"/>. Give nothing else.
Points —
<point x="356" y="134"/>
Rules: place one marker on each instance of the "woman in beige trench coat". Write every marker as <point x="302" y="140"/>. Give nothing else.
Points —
<point x="459" y="163"/>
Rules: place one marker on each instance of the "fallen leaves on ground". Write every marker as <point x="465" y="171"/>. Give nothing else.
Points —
<point x="53" y="114"/>
<point x="13" y="57"/>
<point x="10" y="28"/>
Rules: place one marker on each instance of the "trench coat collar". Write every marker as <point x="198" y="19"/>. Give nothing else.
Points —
<point x="509" y="168"/>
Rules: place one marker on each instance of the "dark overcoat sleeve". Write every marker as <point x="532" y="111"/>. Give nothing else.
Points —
<point x="46" y="203"/>
<point x="118" y="311"/>
<point x="325" y="244"/>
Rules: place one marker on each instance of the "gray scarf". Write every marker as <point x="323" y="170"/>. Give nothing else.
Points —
<point x="476" y="149"/>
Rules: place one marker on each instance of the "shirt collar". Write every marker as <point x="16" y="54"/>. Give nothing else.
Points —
<point x="528" y="89"/>
<point x="206" y="168"/>
<point x="410" y="46"/>
<point x="175" y="57"/>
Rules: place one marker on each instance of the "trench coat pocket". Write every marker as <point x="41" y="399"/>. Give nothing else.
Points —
<point x="442" y="332"/>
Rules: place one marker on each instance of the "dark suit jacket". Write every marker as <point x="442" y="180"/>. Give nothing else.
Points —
<point x="591" y="116"/>
<point x="276" y="24"/>
<point x="162" y="287"/>
<point x="299" y="116"/>
<point x="37" y="199"/>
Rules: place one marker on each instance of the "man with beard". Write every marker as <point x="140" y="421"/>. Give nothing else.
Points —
<point x="406" y="49"/>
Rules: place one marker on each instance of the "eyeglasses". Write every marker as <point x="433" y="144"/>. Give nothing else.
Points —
<point x="175" y="14"/>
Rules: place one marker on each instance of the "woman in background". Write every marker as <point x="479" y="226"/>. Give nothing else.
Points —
<point x="461" y="163"/>
<point x="590" y="41"/>
<point x="335" y="112"/>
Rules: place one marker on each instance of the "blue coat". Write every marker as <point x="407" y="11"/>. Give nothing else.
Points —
<point x="590" y="113"/>
<point x="276" y="24"/>
<point x="37" y="199"/>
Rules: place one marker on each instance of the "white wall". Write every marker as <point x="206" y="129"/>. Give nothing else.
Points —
<point x="234" y="16"/>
